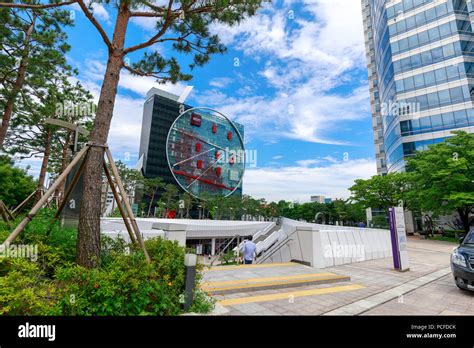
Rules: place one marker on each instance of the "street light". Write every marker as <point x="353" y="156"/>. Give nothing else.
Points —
<point x="190" y="261"/>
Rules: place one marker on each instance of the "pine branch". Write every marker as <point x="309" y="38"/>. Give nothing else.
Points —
<point x="33" y="6"/>
<point x="96" y="24"/>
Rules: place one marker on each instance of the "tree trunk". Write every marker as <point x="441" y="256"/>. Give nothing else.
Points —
<point x="88" y="239"/>
<point x="17" y="85"/>
<point x="464" y="216"/>
<point x="44" y="165"/>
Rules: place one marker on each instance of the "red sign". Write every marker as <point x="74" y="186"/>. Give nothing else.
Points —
<point x="196" y="120"/>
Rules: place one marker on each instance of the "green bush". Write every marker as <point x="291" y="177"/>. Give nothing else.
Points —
<point x="228" y="257"/>
<point x="124" y="284"/>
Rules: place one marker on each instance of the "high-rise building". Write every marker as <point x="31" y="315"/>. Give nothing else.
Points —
<point x="160" y="111"/>
<point x="420" y="58"/>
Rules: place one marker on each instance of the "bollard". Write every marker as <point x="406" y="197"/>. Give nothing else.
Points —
<point x="190" y="261"/>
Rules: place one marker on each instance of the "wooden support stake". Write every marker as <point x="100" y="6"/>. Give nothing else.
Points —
<point x="127" y="204"/>
<point x="4" y="214"/>
<point x="120" y="206"/>
<point x="71" y="187"/>
<point x="10" y="215"/>
<point x="20" y="206"/>
<point x="20" y="227"/>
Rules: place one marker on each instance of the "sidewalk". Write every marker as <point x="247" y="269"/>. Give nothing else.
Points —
<point x="374" y="288"/>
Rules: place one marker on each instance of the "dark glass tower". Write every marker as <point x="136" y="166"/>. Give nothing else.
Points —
<point x="159" y="112"/>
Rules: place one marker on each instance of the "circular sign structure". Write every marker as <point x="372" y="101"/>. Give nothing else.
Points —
<point x="205" y="153"/>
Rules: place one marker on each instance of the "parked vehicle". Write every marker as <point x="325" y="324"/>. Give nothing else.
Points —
<point x="462" y="262"/>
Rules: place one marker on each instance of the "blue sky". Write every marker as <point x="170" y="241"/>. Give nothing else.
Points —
<point x="294" y="75"/>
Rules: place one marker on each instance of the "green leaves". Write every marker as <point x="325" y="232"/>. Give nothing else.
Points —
<point x="15" y="183"/>
<point x="443" y="177"/>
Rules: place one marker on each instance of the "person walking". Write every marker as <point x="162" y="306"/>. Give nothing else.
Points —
<point x="250" y="251"/>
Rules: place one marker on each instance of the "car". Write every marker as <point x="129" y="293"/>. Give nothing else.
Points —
<point x="462" y="262"/>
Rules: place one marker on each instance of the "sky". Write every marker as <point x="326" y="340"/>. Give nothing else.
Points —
<point x="294" y="75"/>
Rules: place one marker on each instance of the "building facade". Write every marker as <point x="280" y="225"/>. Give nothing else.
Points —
<point x="420" y="58"/>
<point x="160" y="111"/>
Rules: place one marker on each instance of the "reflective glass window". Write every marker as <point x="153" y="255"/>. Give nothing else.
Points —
<point x="425" y="123"/>
<point x="419" y="81"/>
<point x="448" y="50"/>
<point x="433" y="33"/>
<point x="437" y="54"/>
<point x="436" y="122"/>
<point x="444" y="30"/>
<point x="405" y="127"/>
<point x="440" y="75"/>
<point x="423" y="38"/>
<point x="456" y="94"/>
<point x="429" y="78"/>
<point x="413" y="41"/>
<point x="430" y="14"/>
<point x="444" y="97"/>
<point x="441" y="10"/>
<point x="415" y="126"/>
<point x="470" y="116"/>
<point x="423" y="100"/>
<point x="401" y="26"/>
<point x="409" y="83"/>
<point x="410" y="22"/>
<point x="416" y="60"/>
<point x="420" y="18"/>
<point x="448" y="119"/>
<point x="426" y="57"/>
<point x="403" y="44"/>
<point x="460" y="118"/>
<point x="399" y="86"/>
<point x="433" y="100"/>
<point x="452" y="71"/>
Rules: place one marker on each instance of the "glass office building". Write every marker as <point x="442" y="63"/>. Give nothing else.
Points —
<point x="420" y="57"/>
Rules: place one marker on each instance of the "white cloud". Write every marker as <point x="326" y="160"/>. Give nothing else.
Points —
<point x="98" y="10"/>
<point x="220" y="82"/>
<point x="277" y="157"/>
<point x="300" y="182"/>
<point x="305" y="60"/>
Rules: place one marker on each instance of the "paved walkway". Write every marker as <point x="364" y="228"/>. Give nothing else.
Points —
<point x="374" y="287"/>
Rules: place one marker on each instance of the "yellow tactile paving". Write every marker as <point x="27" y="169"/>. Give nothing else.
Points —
<point x="286" y="295"/>
<point x="270" y="284"/>
<point x="266" y="279"/>
<point x="263" y="265"/>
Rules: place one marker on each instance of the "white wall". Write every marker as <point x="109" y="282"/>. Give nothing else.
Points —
<point x="325" y="246"/>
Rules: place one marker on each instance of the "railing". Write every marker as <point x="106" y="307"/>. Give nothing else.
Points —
<point x="259" y="233"/>
<point x="224" y="249"/>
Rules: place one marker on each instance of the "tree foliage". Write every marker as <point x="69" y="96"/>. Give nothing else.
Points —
<point x="15" y="183"/>
<point x="442" y="177"/>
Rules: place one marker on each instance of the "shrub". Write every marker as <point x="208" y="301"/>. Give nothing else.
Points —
<point x="124" y="284"/>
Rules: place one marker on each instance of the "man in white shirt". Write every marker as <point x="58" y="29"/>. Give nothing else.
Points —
<point x="250" y="251"/>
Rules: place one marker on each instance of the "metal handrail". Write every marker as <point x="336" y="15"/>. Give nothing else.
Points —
<point x="276" y="247"/>
<point x="225" y="248"/>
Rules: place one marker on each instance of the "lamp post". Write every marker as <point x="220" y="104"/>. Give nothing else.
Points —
<point x="190" y="261"/>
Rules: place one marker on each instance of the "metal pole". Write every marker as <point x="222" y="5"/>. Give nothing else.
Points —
<point x="45" y="197"/>
<point x="190" y="261"/>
